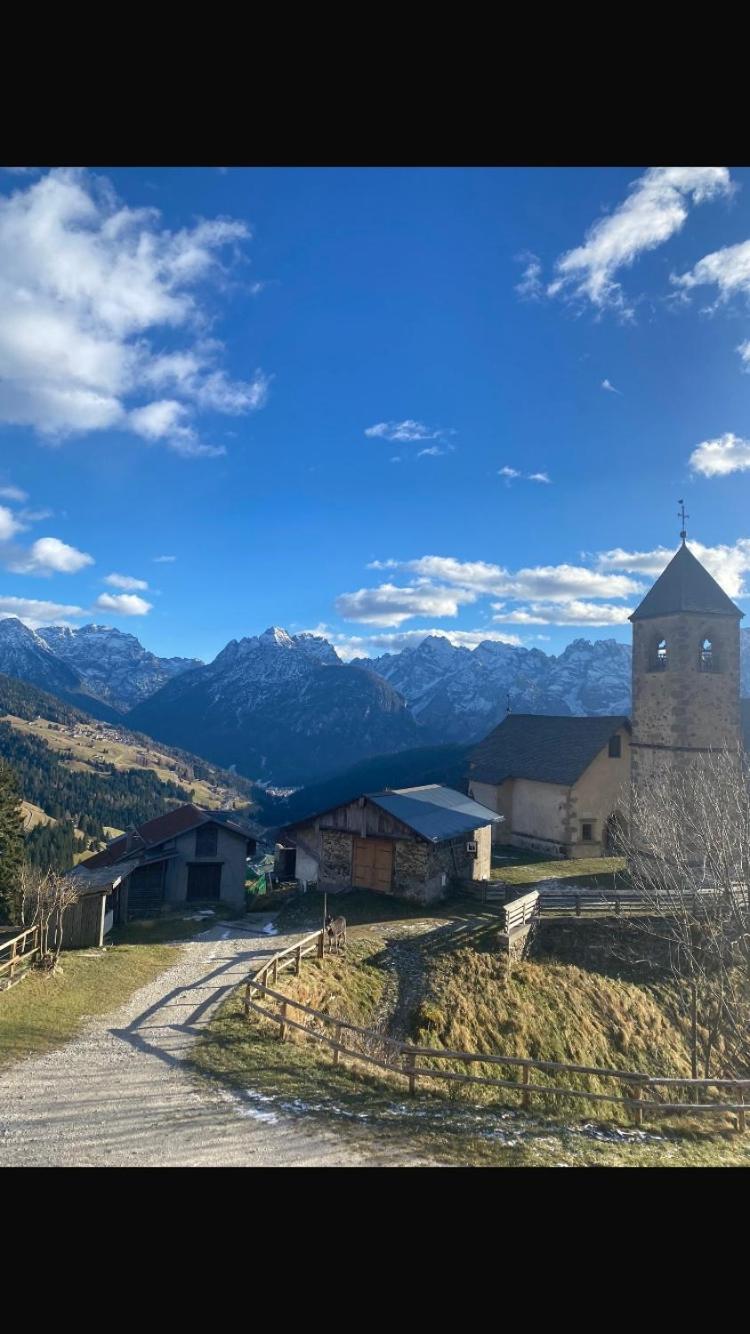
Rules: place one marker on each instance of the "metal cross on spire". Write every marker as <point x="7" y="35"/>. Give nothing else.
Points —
<point x="681" y="514"/>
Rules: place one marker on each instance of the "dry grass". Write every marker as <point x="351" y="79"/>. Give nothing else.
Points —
<point x="524" y="871"/>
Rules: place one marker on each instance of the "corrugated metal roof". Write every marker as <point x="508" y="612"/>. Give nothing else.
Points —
<point x="543" y="747"/>
<point x="435" y="812"/>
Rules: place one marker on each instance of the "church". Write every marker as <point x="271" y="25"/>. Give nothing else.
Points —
<point x="562" y="784"/>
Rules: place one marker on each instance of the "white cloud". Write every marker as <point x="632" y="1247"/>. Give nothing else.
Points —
<point x="744" y="351"/>
<point x="389" y="605"/>
<point x="125" y="604"/>
<point x="127" y="582"/>
<point x="48" y="555"/>
<point x="9" y="524"/>
<point x="531" y="287"/>
<point x="611" y="388"/>
<point x="655" y="210"/>
<point x="727" y="270"/>
<point x="727" y="564"/>
<point x="573" y="612"/>
<point x="408" y="430"/>
<point x="548" y="582"/>
<point x="35" y="614"/>
<point x="513" y="474"/>
<point x="166" y="419"/>
<point x="85" y="282"/>
<point x="13" y="493"/>
<point x="434" y="451"/>
<point x="717" y="458"/>
<point x="164" y="560"/>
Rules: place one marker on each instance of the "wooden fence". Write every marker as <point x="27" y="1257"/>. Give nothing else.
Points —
<point x="639" y="1091"/>
<point x="17" y="954"/>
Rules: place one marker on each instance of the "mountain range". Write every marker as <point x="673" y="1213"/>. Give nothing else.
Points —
<point x="285" y="709"/>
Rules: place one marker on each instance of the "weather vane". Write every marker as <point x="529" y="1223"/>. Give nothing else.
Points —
<point x="681" y="514"/>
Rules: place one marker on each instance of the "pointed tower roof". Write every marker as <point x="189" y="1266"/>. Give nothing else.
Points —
<point x="685" y="585"/>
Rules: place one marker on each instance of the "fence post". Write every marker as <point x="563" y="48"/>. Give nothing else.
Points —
<point x="336" y="1038"/>
<point x="409" y="1063"/>
<point x="275" y="969"/>
<point x="617" y="906"/>
<point x="742" y="1115"/>
<point x="12" y="960"/>
<point x="578" y="905"/>
<point x="282" y="1025"/>
<point x="297" y="960"/>
<point x="638" y="1111"/>
<point x="247" y="1001"/>
<point x="321" y="941"/>
<point x="526" y="1096"/>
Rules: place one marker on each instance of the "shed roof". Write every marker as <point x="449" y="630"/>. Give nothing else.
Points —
<point x="434" y="812"/>
<point x="543" y="747"/>
<point x="159" y="830"/>
<point x="685" y="585"/>
<point x="100" y="879"/>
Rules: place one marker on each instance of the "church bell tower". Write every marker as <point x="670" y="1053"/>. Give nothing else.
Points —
<point x="686" y="669"/>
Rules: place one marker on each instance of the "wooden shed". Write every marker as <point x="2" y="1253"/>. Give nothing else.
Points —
<point x="88" y="920"/>
<point x="411" y="843"/>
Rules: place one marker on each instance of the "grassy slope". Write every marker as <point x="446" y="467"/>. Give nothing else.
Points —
<point x="44" y="1011"/>
<point x="97" y="741"/>
<point x="588" y="870"/>
<point x="547" y="1009"/>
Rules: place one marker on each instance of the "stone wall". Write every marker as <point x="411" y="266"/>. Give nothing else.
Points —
<point x="335" y="860"/>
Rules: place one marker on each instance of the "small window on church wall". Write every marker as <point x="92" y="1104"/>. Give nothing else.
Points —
<point x="707" y="661"/>
<point x="587" y="832"/>
<point x="615" y="747"/>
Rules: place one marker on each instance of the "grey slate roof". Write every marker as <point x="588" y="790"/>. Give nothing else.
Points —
<point x="685" y="585"/>
<point x="434" y="812"/>
<point x="542" y="747"/>
<point x="99" y="878"/>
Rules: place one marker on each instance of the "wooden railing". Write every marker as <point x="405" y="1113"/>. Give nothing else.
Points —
<point x="18" y="952"/>
<point x="639" y="1095"/>
<point x="520" y="912"/>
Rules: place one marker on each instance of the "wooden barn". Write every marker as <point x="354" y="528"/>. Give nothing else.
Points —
<point x="411" y="843"/>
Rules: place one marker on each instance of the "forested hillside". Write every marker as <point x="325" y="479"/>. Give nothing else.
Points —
<point x="61" y="759"/>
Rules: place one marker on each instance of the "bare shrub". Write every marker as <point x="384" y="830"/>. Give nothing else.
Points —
<point x="688" y="857"/>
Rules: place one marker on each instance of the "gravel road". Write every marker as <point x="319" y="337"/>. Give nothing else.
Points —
<point x="120" y="1095"/>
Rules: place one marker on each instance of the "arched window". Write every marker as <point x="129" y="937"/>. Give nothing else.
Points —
<point x="659" y="656"/>
<point x="707" y="661"/>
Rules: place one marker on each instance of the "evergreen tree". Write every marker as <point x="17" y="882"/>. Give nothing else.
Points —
<point x="11" y="842"/>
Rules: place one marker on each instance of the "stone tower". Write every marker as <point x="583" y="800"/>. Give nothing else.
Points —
<point x="686" y="669"/>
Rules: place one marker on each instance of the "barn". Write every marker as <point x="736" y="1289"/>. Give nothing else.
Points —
<point x="189" y="855"/>
<point x="412" y="843"/>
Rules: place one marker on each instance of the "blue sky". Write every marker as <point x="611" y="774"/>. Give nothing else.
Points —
<point x="373" y="401"/>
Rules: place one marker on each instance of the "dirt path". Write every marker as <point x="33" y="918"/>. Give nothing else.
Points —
<point x="121" y="1093"/>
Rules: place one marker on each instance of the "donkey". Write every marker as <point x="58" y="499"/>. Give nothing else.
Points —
<point x="336" y="931"/>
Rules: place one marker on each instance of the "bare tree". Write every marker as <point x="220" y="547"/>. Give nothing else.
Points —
<point x="688" y="858"/>
<point x="45" y="897"/>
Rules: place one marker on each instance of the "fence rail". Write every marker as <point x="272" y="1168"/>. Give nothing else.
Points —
<point x="17" y="953"/>
<point x="400" y="1058"/>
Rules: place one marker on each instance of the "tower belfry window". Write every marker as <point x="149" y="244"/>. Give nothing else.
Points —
<point x="660" y="656"/>
<point x="707" y="660"/>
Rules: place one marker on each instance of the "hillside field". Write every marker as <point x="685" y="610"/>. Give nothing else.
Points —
<point x="435" y="978"/>
<point x="83" y="745"/>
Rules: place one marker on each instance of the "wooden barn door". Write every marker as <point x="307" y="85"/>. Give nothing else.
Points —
<point x="373" y="863"/>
